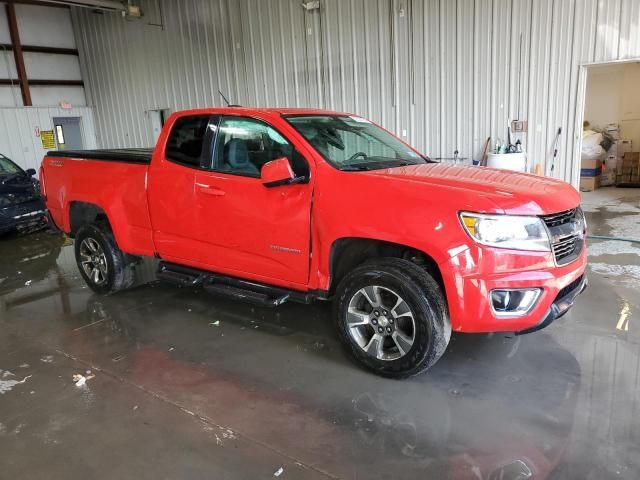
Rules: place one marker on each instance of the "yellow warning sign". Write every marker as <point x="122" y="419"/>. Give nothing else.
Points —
<point x="48" y="141"/>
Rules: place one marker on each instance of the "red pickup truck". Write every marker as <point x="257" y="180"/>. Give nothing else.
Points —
<point x="277" y="205"/>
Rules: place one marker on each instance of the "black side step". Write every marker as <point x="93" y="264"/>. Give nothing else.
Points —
<point x="254" y="298"/>
<point x="183" y="279"/>
<point x="251" y="292"/>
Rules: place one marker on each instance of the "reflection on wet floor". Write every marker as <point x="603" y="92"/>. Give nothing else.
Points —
<point x="191" y="386"/>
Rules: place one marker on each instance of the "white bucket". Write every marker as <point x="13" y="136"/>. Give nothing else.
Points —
<point x="508" y="161"/>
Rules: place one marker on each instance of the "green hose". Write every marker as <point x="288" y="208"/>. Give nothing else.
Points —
<point x="604" y="237"/>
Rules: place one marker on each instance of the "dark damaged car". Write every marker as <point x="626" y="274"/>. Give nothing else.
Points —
<point x="21" y="205"/>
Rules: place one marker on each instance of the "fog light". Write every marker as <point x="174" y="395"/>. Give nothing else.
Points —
<point x="514" y="302"/>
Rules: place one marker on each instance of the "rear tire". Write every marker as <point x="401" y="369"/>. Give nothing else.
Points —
<point x="392" y="317"/>
<point x="105" y="268"/>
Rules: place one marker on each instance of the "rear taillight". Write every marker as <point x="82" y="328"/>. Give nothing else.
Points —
<point x="43" y="188"/>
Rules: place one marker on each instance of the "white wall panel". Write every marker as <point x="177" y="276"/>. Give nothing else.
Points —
<point x="7" y="64"/>
<point x="50" y="66"/>
<point x="18" y="139"/>
<point x="464" y="140"/>
<point x="480" y="79"/>
<point x="53" y="95"/>
<point x="560" y="92"/>
<point x="49" y="26"/>
<point x="5" y="37"/>
<point x="448" y="73"/>
<point x="629" y="38"/>
<point x="10" y="96"/>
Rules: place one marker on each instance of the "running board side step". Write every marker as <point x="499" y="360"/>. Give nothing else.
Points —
<point x="254" y="298"/>
<point x="182" y="279"/>
<point x="259" y="294"/>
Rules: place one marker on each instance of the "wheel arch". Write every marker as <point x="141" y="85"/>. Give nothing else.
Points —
<point x="349" y="252"/>
<point x="83" y="213"/>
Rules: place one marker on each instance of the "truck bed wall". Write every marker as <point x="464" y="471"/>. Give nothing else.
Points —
<point x="118" y="188"/>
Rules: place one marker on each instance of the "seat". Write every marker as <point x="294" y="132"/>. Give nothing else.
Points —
<point x="236" y="158"/>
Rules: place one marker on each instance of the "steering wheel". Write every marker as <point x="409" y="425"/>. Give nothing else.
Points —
<point x="356" y="155"/>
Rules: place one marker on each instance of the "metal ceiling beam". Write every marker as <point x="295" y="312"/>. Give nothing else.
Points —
<point x="42" y="3"/>
<point x="45" y="83"/>
<point x="109" y="5"/>
<point x="17" y="54"/>
<point x="42" y="49"/>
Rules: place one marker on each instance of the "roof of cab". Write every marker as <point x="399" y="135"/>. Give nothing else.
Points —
<point x="249" y="110"/>
<point x="305" y="111"/>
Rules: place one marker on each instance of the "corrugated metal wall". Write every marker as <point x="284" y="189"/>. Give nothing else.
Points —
<point x="445" y="74"/>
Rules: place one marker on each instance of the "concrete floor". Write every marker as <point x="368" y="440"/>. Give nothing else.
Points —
<point x="190" y="386"/>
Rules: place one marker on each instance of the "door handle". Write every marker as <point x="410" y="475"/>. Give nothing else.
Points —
<point x="210" y="190"/>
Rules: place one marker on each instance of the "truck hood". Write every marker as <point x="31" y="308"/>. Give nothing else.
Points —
<point x="510" y="192"/>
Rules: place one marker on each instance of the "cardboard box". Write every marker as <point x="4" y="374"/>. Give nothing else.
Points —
<point x="629" y="171"/>
<point x="591" y="167"/>
<point x="624" y="146"/>
<point x="610" y="163"/>
<point x="608" y="178"/>
<point x="595" y="163"/>
<point x="588" y="184"/>
<point x="590" y="172"/>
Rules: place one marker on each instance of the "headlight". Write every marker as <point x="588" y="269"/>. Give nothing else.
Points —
<point x="580" y="216"/>
<point x="507" y="231"/>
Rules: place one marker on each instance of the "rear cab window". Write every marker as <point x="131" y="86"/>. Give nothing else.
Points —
<point x="189" y="140"/>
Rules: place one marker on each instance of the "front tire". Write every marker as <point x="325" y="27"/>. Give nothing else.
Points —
<point x="392" y="317"/>
<point x="105" y="268"/>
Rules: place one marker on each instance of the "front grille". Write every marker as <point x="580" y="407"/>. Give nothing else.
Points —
<point x="566" y="231"/>
<point x="558" y="219"/>
<point x="567" y="247"/>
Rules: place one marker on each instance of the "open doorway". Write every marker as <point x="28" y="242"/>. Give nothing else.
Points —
<point x="158" y="117"/>
<point x="611" y="127"/>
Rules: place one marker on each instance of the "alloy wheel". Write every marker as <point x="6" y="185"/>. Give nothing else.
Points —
<point x="93" y="261"/>
<point x="381" y="322"/>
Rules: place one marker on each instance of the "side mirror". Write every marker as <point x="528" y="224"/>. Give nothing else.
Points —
<point x="276" y="173"/>
<point x="30" y="172"/>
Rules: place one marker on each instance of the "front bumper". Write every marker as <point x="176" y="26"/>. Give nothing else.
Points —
<point x="24" y="215"/>
<point x="563" y="303"/>
<point x="471" y="275"/>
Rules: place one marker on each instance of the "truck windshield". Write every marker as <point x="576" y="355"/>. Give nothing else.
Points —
<point x="7" y="166"/>
<point x="352" y="143"/>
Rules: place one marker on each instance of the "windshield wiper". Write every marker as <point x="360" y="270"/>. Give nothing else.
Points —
<point x="354" y="168"/>
<point x="394" y="162"/>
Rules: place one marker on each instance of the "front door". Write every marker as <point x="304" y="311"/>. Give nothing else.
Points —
<point x="251" y="229"/>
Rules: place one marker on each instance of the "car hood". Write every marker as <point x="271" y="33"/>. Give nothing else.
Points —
<point x="510" y="192"/>
<point x="20" y="184"/>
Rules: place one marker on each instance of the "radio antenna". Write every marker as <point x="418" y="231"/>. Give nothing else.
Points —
<point x="224" y="98"/>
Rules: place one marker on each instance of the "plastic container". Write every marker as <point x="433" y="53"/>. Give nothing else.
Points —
<point x="508" y="161"/>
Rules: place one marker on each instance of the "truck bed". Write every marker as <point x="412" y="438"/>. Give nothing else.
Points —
<point x="112" y="180"/>
<point x="129" y="155"/>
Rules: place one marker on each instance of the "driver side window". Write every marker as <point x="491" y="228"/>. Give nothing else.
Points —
<point x="244" y="145"/>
